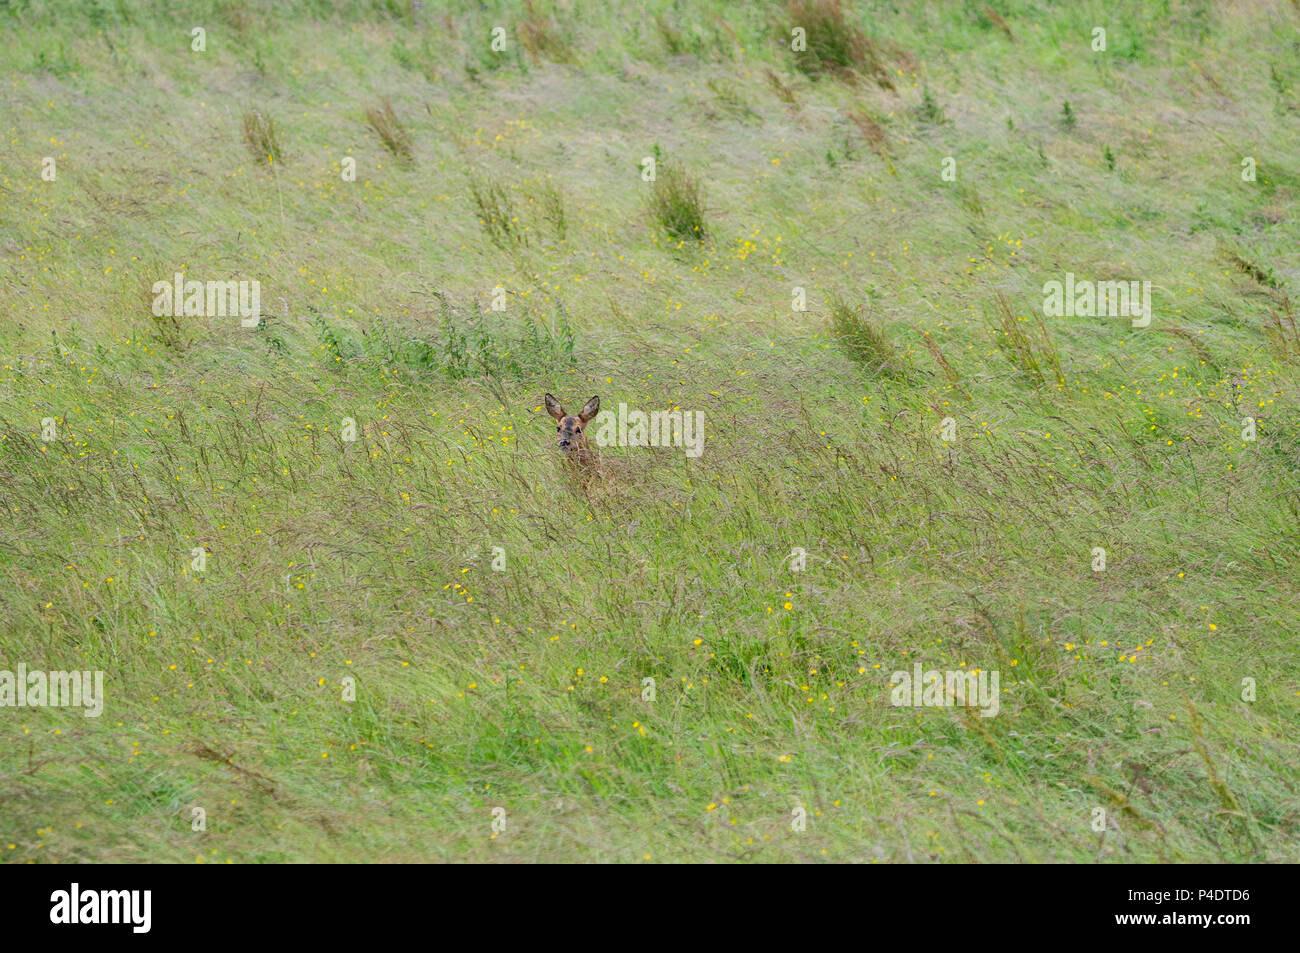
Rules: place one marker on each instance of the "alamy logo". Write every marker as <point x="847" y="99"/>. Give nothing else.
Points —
<point x="659" y="428"/>
<point x="103" y="906"/>
<point x="37" y="689"/>
<point x="1095" y="299"/>
<point x="208" y="299"/>
<point x="935" y="689"/>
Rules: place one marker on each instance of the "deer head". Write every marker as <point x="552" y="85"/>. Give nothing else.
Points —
<point x="569" y="427"/>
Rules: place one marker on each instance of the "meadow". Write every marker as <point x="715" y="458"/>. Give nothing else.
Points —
<point x="350" y="605"/>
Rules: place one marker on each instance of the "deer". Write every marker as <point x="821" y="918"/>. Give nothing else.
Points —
<point x="572" y="441"/>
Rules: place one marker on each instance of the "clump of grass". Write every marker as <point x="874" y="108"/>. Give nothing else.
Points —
<point x="338" y="346"/>
<point x="779" y="86"/>
<point x="872" y="132"/>
<point x="929" y="111"/>
<point x="168" y="329"/>
<point x="389" y="129"/>
<point x="674" y="40"/>
<point x="835" y="46"/>
<point x="1108" y="157"/>
<point x="996" y="20"/>
<point x="1203" y="353"/>
<point x="542" y="38"/>
<point x="496" y="211"/>
<point x="948" y="371"/>
<point x="863" y="340"/>
<point x="970" y="200"/>
<point x="1282" y="86"/>
<point x="58" y="63"/>
<point x="396" y="345"/>
<point x="1068" y="119"/>
<point x="262" y="137"/>
<point x="536" y="347"/>
<point x="551" y="201"/>
<point x="677" y="203"/>
<point x="731" y="101"/>
<point x="465" y="346"/>
<point x="1282" y="332"/>
<point x="1284" y="335"/>
<point x="1263" y="275"/>
<point x="1037" y="359"/>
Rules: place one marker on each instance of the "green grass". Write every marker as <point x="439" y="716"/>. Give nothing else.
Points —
<point x="262" y="138"/>
<point x="372" y="559"/>
<point x="677" y="203"/>
<point x="390" y="130"/>
<point x="863" y="340"/>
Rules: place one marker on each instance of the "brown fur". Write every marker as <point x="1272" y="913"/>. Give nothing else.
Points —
<point x="571" y="434"/>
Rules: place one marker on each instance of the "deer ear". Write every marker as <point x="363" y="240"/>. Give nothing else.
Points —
<point x="590" y="409"/>
<point x="553" y="407"/>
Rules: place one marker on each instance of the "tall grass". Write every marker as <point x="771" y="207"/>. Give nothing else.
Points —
<point x="1033" y="354"/>
<point x="497" y="212"/>
<point x="390" y="130"/>
<point x="262" y="137"/>
<point x="862" y="338"/>
<point x="372" y="478"/>
<point x="542" y="37"/>
<point x="835" y="46"/>
<point x="551" y="199"/>
<point x="677" y="202"/>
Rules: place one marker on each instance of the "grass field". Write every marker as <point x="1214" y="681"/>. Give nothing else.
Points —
<point x="184" y="507"/>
